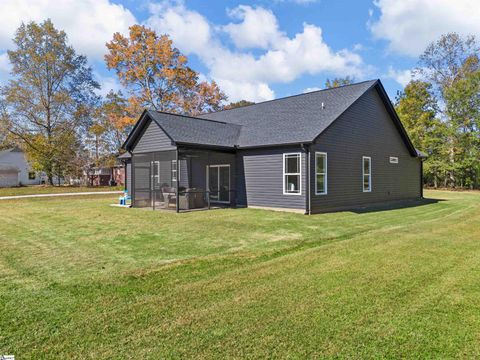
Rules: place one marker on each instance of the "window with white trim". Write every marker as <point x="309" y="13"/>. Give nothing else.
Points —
<point x="367" y="173"/>
<point x="174" y="170"/>
<point x="292" y="174"/>
<point x="320" y="173"/>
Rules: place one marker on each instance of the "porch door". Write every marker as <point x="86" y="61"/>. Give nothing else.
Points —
<point x="218" y="180"/>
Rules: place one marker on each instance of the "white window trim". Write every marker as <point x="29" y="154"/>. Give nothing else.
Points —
<point x="174" y="171"/>
<point x="299" y="174"/>
<point x="324" y="173"/>
<point x="369" y="175"/>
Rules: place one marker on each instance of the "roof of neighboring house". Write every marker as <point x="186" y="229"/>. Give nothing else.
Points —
<point x="10" y="150"/>
<point x="290" y="120"/>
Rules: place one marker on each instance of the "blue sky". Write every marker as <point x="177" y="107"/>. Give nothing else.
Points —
<point x="259" y="50"/>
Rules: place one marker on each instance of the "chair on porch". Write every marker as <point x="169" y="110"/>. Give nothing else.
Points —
<point x="169" y="194"/>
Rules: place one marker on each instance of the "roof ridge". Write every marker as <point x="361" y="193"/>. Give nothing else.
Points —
<point x="192" y="117"/>
<point x="291" y="96"/>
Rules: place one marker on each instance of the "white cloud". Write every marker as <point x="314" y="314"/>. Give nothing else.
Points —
<point x="89" y="24"/>
<point x="403" y="77"/>
<point x="258" y="27"/>
<point x="411" y="25"/>
<point x="310" y="89"/>
<point x="190" y="31"/>
<point x="5" y="65"/>
<point x="241" y="74"/>
<point x="107" y="83"/>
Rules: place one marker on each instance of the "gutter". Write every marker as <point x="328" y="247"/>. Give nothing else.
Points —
<point x="308" y="205"/>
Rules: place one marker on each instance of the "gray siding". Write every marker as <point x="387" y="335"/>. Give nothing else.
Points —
<point x="152" y="139"/>
<point x="260" y="179"/>
<point x="366" y="129"/>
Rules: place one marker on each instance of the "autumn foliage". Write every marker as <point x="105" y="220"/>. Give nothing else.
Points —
<point x="156" y="76"/>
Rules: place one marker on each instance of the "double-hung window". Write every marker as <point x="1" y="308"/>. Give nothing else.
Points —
<point x="320" y="173"/>
<point x="292" y="174"/>
<point x="367" y="173"/>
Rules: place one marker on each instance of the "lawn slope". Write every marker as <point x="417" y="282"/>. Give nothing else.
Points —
<point x="80" y="279"/>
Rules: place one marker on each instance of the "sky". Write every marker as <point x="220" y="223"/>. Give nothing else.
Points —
<point x="259" y="50"/>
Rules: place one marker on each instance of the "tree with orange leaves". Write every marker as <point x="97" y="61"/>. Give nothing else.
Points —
<point x="157" y="76"/>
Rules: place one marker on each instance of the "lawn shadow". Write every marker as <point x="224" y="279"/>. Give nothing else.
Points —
<point x="401" y="204"/>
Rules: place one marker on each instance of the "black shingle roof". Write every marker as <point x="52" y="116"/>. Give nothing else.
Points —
<point x="291" y="120"/>
<point x="294" y="119"/>
<point x="190" y="130"/>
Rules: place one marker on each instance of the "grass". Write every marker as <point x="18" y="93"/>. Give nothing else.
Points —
<point x="47" y="189"/>
<point x="80" y="279"/>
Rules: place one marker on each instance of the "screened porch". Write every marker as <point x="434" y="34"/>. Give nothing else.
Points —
<point x="183" y="179"/>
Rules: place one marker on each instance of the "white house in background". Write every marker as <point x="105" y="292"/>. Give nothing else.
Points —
<point x="15" y="169"/>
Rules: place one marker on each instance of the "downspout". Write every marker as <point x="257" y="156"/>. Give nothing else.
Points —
<point x="307" y="191"/>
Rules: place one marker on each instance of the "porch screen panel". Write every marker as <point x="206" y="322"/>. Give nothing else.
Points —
<point x="141" y="164"/>
<point x="162" y="179"/>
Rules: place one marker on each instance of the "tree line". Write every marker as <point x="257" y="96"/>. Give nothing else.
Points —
<point x="50" y="106"/>
<point x="440" y="108"/>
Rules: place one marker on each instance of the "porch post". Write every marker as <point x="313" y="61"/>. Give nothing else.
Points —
<point x="177" y="197"/>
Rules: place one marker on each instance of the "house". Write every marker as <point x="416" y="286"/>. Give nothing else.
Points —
<point x="106" y="175"/>
<point x="325" y="150"/>
<point x="15" y="169"/>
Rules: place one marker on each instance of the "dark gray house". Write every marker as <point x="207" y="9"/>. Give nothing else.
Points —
<point x="321" y="151"/>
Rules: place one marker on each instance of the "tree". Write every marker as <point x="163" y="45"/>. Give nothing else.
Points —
<point x="238" y="104"/>
<point x="110" y="126"/>
<point x="463" y="110"/>
<point x="417" y="109"/>
<point x="157" y="76"/>
<point x="336" y="82"/>
<point x="447" y="60"/>
<point x="115" y="119"/>
<point x="48" y="101"/>
<point x="450" y="64"/>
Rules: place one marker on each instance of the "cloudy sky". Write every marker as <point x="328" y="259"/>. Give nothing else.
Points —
<point x="259" y="50"/>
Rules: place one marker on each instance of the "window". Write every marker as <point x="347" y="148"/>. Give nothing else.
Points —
<point x="367" y="174"/>
<point x="320" y="173"/>
<point x="393" y="160"/>
<point x="31" y="175"/>
<point x="174" y="170"/>
<point x="292" y="174"/>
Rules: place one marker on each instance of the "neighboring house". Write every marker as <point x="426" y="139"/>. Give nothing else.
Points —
<point x="106" y="176"/>
<point x="326" y="150"/>
<point x="15" y="169"/>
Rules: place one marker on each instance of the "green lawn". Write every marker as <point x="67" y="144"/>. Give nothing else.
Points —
<point x="43" y="189"/>
<point x="80" y="279"/>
